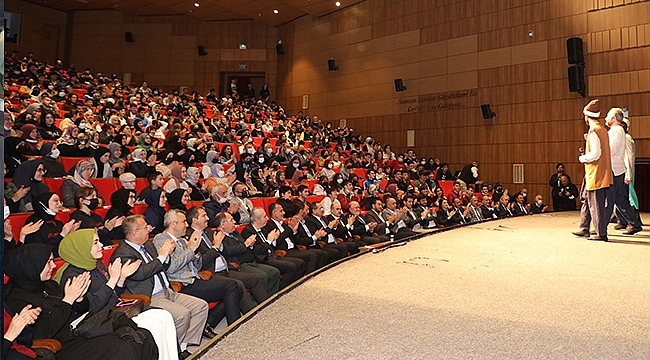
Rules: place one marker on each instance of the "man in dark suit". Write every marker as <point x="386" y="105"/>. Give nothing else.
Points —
<point x="219" y="202"/>
<point x="316" y="221"/>
<point x="364" y="229"/>
<point x="310" y="239"/>
<point x="286" y="241"/>
<point x="519" y="207"/>
<point x="503" y="210"/>
<point x="487" y="210"/>
<point x="343" y="225"/>
<point x="211" y="248"/>
<point x="264" y="250"/>
<point x="185" y="264"/>
<point x="386" y="225"/>
<point x="190" y="313"/>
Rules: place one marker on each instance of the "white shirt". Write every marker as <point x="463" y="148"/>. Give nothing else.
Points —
<point x="630" y="157"/>
<point x="289" y="242"/>
<point x="594" y="146"/>
<point x="617" y="149"/>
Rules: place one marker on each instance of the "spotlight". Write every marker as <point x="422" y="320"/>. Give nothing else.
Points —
<point x="275" y="11"/>
<point x="338" y="3"/>
<point x="196" y="4"/>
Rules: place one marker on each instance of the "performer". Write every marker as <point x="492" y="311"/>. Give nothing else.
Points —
<point x="622" y="172"/>
<point x="598" y="176"/>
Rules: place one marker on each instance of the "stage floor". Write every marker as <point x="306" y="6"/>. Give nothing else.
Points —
<point x="522" y="288"/>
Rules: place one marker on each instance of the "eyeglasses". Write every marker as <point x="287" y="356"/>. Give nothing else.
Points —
<point x="129" y="181"/>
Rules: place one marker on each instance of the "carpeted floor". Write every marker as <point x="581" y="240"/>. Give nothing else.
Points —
<point x="521" y="288"/>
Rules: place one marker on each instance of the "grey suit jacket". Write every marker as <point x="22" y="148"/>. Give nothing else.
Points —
<point x="179" y="265"/>
<point x="382" y="226"/>
<point x="142" y="281"/>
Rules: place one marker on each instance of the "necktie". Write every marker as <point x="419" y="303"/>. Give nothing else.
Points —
<point x="308" y="232"/>
<point x="159" y="275"/>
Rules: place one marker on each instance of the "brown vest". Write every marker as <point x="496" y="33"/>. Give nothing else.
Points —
<point x="599" y="174"/>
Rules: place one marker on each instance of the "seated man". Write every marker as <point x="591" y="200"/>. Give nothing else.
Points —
<point x="413" y="221"/>
<point x="503" y="210"/>
<point x="219" y="202"/>
<point x="342" y="226"/>
<point x="317" y="221"/>
<point x="190" y="313"/>
<point x="185" y="264"/>
<point x="475" y="213"/>
<point x="365" y="230"/>
<point x="538" y="206"/>
<point x="387" y="225"/>
<point x="311" y="239"/>
<point x="287" y="239"/>
<point x="264" y="249"/>
<point x="487" y="210"/>
<point x="240" y="192"/>
<point x="398" y="225"/>
<point x="519" y="207"/>
<point x="454" y="193"/>
<point x="422" y="207"/>
<point x="211" y="248"/>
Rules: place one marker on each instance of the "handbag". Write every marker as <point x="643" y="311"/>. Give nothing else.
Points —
<point x="130" y="308"/>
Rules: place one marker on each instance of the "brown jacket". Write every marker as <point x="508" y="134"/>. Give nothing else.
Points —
<point x="599" y="174"/>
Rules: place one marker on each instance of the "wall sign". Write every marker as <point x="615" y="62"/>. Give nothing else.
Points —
<point x="450" y="100"/>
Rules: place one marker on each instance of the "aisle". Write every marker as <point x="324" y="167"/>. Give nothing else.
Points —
<point x="518" y="288"/>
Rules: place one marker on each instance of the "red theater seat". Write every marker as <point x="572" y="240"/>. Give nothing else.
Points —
<point x="105" y="187"/>
<point x="70" y="162"/>
<point x="54" y="184"/>
<point x="17" y="221"/>
<point x="140" y="184"/>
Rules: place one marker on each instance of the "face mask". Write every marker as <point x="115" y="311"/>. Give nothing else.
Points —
<point x="31" y="141"/>
<point x="222" y="200"/>
<point x="330" y="165"/>
<point x="296" y="165"/>
<point x="269" y="151"/>
<point x="50" y="87"/>
<point x="215" y="160"/>
<point x="7" y="212"/>
<point x="287" y="151"/>
<point x="221" y="173"/>
<point x="94" y="203"/>
<point x="250" y="151"/>
<point x="400" y="160"/>
<point x="524" y="194"/>
<point x="55" y="153"/>
<point x="82" y="126"/>
<point x="539" y="202"/>
<point x="260" y="160"/>
<point x="423" y="163"/>
<point x="339" y="180"/>
<point x="244" y="194"/>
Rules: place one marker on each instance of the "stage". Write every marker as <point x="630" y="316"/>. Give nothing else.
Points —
<point x="521" y="288"/>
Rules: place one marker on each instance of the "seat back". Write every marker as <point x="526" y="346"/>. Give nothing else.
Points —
<point x="105" y="187"/>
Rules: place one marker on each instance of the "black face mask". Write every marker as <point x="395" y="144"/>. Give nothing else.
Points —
<point x="94" y="203"/>
<point x="215" y="160"/>
<point x="244" y="194"/>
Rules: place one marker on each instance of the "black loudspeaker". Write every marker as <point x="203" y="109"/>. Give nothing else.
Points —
<point x="574" y="51"/>
<point x="331" y="65"/>
<point x="487" y="112"/>
<point x="279" y="49"/>
<point x="399" y="85"/>
<point x="577" y="80"/>
<point x="202" y="51"/>
<point x="128" y="37"/>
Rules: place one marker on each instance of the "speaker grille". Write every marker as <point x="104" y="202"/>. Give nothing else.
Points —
<point x="518" y="173"/>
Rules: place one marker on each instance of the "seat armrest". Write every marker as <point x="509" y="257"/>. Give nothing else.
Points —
<point x="48" y="344"/>
<point x="145" y="299"/>
<point x="206" y="274"/>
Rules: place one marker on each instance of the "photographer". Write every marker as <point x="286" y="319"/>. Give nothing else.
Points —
<point x="564" y="197"/>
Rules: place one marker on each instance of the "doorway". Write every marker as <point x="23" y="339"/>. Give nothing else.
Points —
<point x="642" y="183"/>
<point x="242" y="79"/>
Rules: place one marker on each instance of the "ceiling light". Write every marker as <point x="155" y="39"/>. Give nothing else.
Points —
<point x="196" y="4"/>
<point x="275" y="11"/>
<point x="338" y="3"/>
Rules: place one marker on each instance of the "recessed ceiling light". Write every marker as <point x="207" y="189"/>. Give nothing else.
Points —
<point x="275" y="11"/>
<point x="338" y="3"/>
<point x="196" y="4"/>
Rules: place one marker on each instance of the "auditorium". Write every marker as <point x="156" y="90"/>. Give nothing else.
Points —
<point x="320" y="179"/>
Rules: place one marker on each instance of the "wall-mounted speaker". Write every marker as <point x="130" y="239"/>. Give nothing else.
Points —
<point x="331" y="65"/>
<point x="577" y="80"/>
<point x="128" y="37"/>
<point x="399" y="85"/>
<point x="487" y="111"/>
<point x="202" y="51"/>
<point x="574" y="51"/>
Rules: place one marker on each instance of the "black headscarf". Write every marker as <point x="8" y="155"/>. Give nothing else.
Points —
<point x="155" y="214"/>
<point x="40" y="204"/>
<point x="53" y="167"/>
<point x="100" y="165"/>
<point x="24" y="176"/>
<point x="25" y="264"/>
<point x="174" y="199"/>
<point x="119" y="203"/>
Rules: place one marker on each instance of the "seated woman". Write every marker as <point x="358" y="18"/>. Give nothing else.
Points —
<point x="82" y="173"/>
<point x="69" y="145"/>
<point x="30" y="175"/>
<point x="179" y="174"/>
<point x="198" y="191"/>
<point x="29" y="141"/>
<point x="140" y="165"/>
<point x="122" y="202"/>
<point x="46" y="206"/>
<point x="81" y="251"/>
<point x="448" y="215"/>
<point x="47" y="129"/>
<point x="155" y="213"/>
<point x="53" y="167"/>
<point x="118" y="165"/>
<point x="30" y="269"/>
<point x="86" y="201"/>
<point x="100" y="163"/>
<point x="227" y="155"/>
<point x="178" y="199"/>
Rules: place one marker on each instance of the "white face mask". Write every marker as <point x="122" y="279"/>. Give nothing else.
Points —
<point x="296" y="165"/>
<point x="222" y="200"/>
<point x="330" y="165"/>
<point x="82" y="126"/>
<point x="250" y="151"/>
<point x="269" y="151"/>
<point x="7" y="212"/>
<point x="221" y="173"/>
<point x="55" y="153"/>
<point x="540" y="202"/>
<point x="260" y="160"/>
<point x="339" y="180"/>
<point x="287" y="151"/>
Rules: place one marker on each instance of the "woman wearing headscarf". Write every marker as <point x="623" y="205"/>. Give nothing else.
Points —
<point x="68" y="144"/>
<point x="47" y="129"/>
<point x="30" y="269"/>
<point x="144" y="141"/>
<point x="46" y="206"/>
<point x="81" y="251"/>
<point x="211" y="167"/>
<point x="197" y="192"/>
<point x="155" y="213"/>
<point x="115" y="159"/>
<point x="140" y="165"/>
<point x="86" y="202"/>
<point x="29" y="140"/>
<point x="99" y="161"/>
<point x="178" y="199"/>
<point x="50" y="153"/>
<point x="82" y="173"/>
<point x="122" y="141"/>
<point x="30" y="175"/>
<point x="179" y="173"/>
<point x="122" y="203"/>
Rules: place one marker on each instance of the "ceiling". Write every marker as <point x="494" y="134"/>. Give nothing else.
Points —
<point x="209" y="10"/>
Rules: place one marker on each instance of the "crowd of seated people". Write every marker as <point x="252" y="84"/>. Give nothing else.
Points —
<point x="217" y="204"/>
